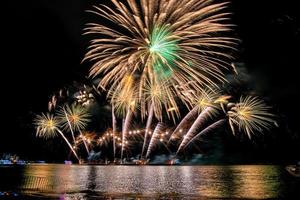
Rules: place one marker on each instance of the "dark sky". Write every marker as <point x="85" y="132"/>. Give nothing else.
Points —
<point x="42" y="47"/>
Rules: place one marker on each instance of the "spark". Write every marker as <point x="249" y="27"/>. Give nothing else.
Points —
<point x="171" y="109"/>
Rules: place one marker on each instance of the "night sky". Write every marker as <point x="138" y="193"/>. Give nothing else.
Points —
<point x="42" y="48"/>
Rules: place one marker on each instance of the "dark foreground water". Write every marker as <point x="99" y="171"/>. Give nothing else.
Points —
<point x="147" y="182"/>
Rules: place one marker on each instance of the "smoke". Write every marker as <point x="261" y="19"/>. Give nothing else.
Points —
<point x="246" y="80"/>
<point x="202" y="159"/>
<point x="162" y="159"/>
<point x="197" y="159"/>
<point x="215" y="157"/>
<point x="94" y="156"/>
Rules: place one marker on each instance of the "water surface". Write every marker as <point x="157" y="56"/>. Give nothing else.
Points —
<point x="169" y="182"/>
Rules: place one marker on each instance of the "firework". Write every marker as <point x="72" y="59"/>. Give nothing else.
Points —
<point x="85" y="97"/>
<point x="158" y="42"/>
<point x="148" y="125"/>
<point x="108" y="137"/>
<point x="124" y="97"/>
<point x="87" y="138"/>
<point x="125" y="129"/>
<point x="154" y="138"/>
<point x="124" y="102"/>
<point x="114" y="126"/>
<point x="47" y="126"/>
<point x="157" y="97"/>
<point x="183" y="124"/>
<point x="136" y="135"/>
<point x="205" y="131"/>
<point x="74" y="117"/>
<point x="250" y="115"/>
<point x="203" y="104"/>
<point x="222" y="101"/>
<point x="85" y="143"/>
<point x="198" y="123"/>
<point x="66" y="117"/>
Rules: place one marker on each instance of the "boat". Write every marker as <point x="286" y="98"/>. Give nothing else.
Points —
<point x="293" y="170"/>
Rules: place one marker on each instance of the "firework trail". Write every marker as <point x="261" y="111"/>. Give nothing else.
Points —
<point x="69" y="123"/>
<point x="199" y="122"/>
<point x="47" y="126"/>
<point x="50" y="106"/>
<point x="114" y="125"/>
<point x="160" y="41"/>
<point x="210" y="128"/>
<point x="69" y="144"/>
<point x="206" y="98"/>
<point x="156" y="98"/>
<point x="179" y="129"/>
<point x="85" y="144"/>
<point x="148" y="125"/>
<point x="87" y="138"/>
<point x="156" y="95"/>
<point x="125" y="129"/>
<point x="166" y="146"/>
<point x="154" y="138"/>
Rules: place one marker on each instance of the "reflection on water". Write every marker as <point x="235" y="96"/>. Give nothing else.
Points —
<point x="241" y="182"/>
<point x="84" y="182"/>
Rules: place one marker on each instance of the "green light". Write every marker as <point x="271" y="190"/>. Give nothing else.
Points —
<point x="163" y="50"/>
<point x="154" y="48"/>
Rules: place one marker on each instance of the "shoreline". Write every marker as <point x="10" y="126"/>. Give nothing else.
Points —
<point x="103" y="195"/>
<point x="187" y="164"/>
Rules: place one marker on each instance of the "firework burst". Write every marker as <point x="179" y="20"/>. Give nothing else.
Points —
<point x="74" y="117"/>
<point x="47" y="126"/>
<point x="124" y="97"/>
<point x="158" y="42"/>
<point x="250" y="115"/>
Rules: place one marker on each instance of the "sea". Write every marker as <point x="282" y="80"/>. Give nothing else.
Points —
<point x="80" y="182"/>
